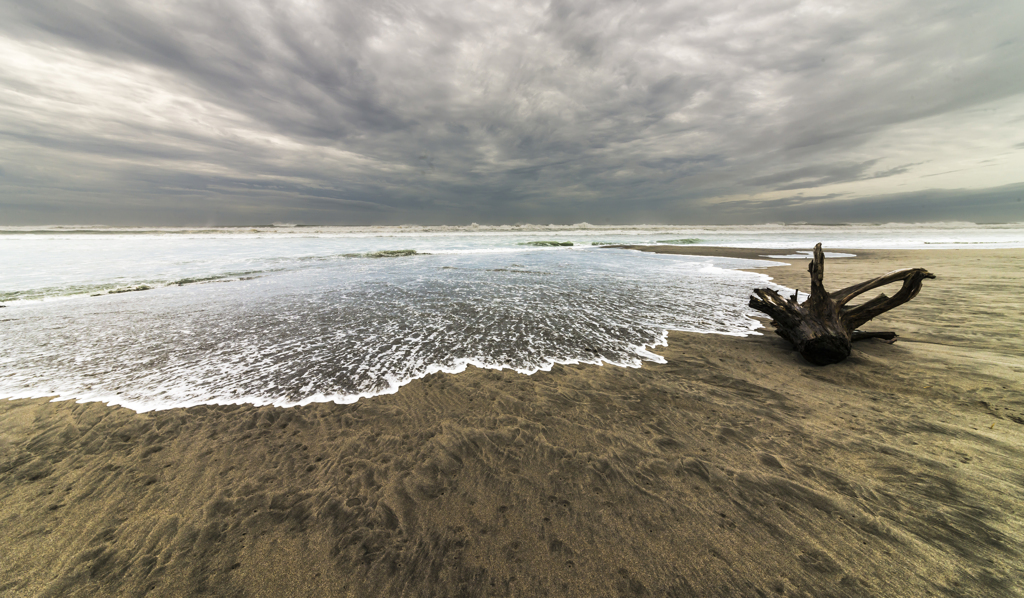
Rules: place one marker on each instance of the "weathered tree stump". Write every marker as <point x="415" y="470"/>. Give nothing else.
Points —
<point x="823" y="327"/>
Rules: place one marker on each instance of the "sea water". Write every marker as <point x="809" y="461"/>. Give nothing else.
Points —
<point x="285" y="315"/>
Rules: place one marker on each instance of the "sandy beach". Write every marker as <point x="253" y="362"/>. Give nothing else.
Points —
<point x="734" y="469"/>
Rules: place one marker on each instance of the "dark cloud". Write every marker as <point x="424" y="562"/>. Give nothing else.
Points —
<point x="364" y="112"/>
<point x="772" y="205"/>
<point x="821" y="175"/>
<point x="998" y="204"/>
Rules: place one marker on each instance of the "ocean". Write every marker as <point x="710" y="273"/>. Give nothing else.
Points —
<point x="158" y="318"/>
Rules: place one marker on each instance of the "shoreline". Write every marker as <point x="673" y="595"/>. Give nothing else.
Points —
<point x="732" y="469"/>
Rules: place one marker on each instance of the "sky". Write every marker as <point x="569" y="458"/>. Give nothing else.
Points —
<point x="241" y="112"/>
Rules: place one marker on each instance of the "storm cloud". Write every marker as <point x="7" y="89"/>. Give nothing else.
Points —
<point x="240" y="112"/>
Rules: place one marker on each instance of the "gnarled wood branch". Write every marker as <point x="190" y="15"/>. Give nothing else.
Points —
<point x="823" y="327"/>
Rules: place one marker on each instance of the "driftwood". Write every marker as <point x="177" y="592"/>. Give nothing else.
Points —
<point x="823" y="327"/>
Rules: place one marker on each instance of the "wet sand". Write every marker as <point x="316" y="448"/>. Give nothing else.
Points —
<point x="734" y="469"/>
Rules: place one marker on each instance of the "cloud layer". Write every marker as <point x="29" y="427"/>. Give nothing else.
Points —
<point x="235" y="112"/>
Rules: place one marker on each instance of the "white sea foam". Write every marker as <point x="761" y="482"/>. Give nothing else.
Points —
<point x="348" y="329"/>
<point x="289" y="315"/>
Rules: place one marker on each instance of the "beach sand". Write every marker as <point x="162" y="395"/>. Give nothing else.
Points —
<point x="734" y="469"/>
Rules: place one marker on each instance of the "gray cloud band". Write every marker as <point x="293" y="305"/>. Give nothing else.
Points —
<point x="485" y="111"/>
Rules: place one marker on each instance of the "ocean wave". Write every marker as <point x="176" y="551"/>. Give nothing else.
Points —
<point x="59" y="263"/>
<point x="118" y="290"/>
<point x="290" y="229"/>
<point x="72" y="291"/>
<point x="391" y="253"/>
<point x="356" y="329"/>
<point x="680" y="242"/>
<point x="215" y="277"/>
